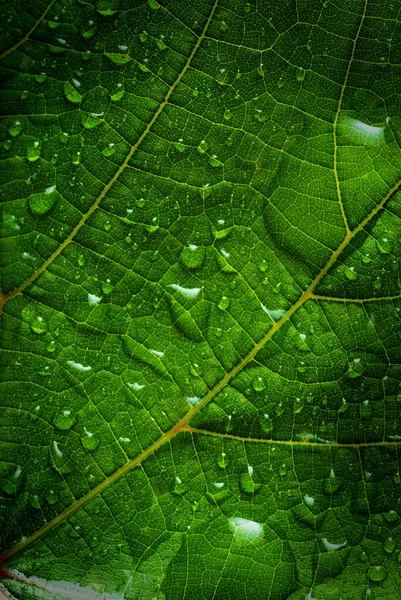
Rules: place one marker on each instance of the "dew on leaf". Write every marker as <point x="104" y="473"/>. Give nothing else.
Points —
<point x="297" y="406"/>
<point x="228" y="114"/>
<point x="144" y="36"/>
<point x="384" y="245"/>
<point x="180" y="488"/>
<point x="300" y="74"/>
<point x="377" y="573"/>
<point x="107" y="287"/>
<point x="222" y="461"/>
<point x="15" y="128"/>
<point x="33" y="152"/>
<point x="51" y="497"/>
<point x="38" y="324"/>
<point x="391" y="516"/>
<point x="224" y="303"/>
<point x="263" y="266"/>
<point x="71" y="93"/>
<point x="51" y="346"/>
<point x="161" y="45"/>
<point x="202" y="147"/>
<point x="213" y="162"/>
<point x="34" y="501"/>
<point x="247" y="484"/>
<point x="332" y="484"/>
<point x="283" y="469"/>
<point x="350" y="273"/>
<point x="365" y="409"/>
<point x="118" y="58"/>
<point x="179" y="146"/>
<point x="192" y="256"/>
<point x="12" y="482"/>
<point x="117" y="96"/>
<point x="309" y="500"/>
<point x="109" y="150"/>
<point x="90" y="441"/>
<point x="266" y="424"/>
<point x="91" y="121"/>
<point x="389" y="544"/>
<point x="279" y="409"/>
<point x="258" y="384"/>
<point x="64" y="419"/>
<point x="153" y="4"/>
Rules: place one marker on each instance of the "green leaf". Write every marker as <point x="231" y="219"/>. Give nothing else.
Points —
<point x="201" y="302"/>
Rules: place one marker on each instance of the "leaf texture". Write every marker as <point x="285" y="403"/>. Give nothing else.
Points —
<point x="201" y="334"/>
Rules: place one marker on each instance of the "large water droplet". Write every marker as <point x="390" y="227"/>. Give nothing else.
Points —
<point x="33" y="153"/>
<point x="58" y="459"/>
<point x="107" y="287"/>
<point x="42" y="203"/>
<point x="245" y="530"/>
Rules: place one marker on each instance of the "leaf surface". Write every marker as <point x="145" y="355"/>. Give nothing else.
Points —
<point x="201" y="300"/>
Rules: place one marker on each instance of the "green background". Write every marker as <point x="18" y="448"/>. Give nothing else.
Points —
<point x="201" y="241"/>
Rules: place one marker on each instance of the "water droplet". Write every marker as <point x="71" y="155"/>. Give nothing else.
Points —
<point x="179" y="146"/>
<point x="109" y="150"/>
<point x="117" y="96"/>
<point x="180" y="488"/>
<point x="195" y="92"/>
<point x="91" y="121"/>
<point x="90" y="441"/>
<point x="222" y="461"/>
<point x="301" y="74"/>
<point x="279" y="409"/>
<point x="51" y="346"/>
<point x="107" y="287"/>
<point x="350" y="273"/>
<point x="34" y="501"/>
<point x="247" y="7"/>
<point x="12" y="482"/>
<point x="213" y="162"/>
<point x="88" y="30"/>
<point x="143" y="68"/>
<point x="384" y="245"/>
<point x="258" y="384"/>
<point x="365" y="409"/>
<point x="247" y="484"/>
<point x="51" y="497"/>
<point x="71" y="93"/>
<point x="58" y="459"/>
<point x="391" y="516"/>
<point x="297" y="406"/>
<point x="377" y="573"/>
<point x="266" y="425"/>
<point x="309" y="501"/>
<point x="140" y="202"/>
<point x="283" y="469"/>
<point x="366" y="259"/>
<point x="332" y="484"/>
<point x="246" y="531"/>
<point x="192" y="256"/>
<point x="228" y="114"/>
<point x="161" y="45"/>
<point x="363" y="557"/>
<point x="144" y="36"/>
<point x="118" y="58"/>
<point x="64" y="419"/>
<point x="33" y="153"/>
<point x="202" y="147"/>
<point x="15" y="129"/>
<point x="42" y="203"/>
<point x="389" y="545"/>
<point x="153" y="4"/>
<point x="224" y="303"/>
<point x="40" y="78"/>
<point x="38" y="325"/>
<point x="263" y="266"/>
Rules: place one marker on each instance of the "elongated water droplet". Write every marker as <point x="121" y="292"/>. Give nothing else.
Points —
<point x="180" y="488"/>
<point x="224" y="303"/>
<point x="12" y="482"/>
<point x="90" y="441"/>
<point x="51" y="497"/>
<point x="15" y="129"/>
<point x="389" y="544"/>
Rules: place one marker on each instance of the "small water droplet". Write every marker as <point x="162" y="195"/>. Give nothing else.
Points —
<point x="179" y="146"/>
<point x="180" y="488"/>
<point x="213" y="162"/>
<point x="34" y="501"/>
<point x="192" y="256"/>
<point x="365" y="409"/>
<point x="350" y="273"/>
<point x="263" y="266"/>
<point x="107" y="287"/>
<point x="33" y="153"/>
<point x="144" y="36"/>
<point x="228" y="114"/>
<point x="224" y="303"/>
<point x="222" y="461"/>
<point x="301" y="74"/>
<point x="332" y="484"/>
<point x="12" y="482"/>
<point x="391" y="516"/>
<point x="109" y="150"/>
<point x="51" y="497"/>
<point x="202" y="147"/>
<point x="384" y="245"/>
<point x="389" y="544"/>
<point x="258" y="384"/>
